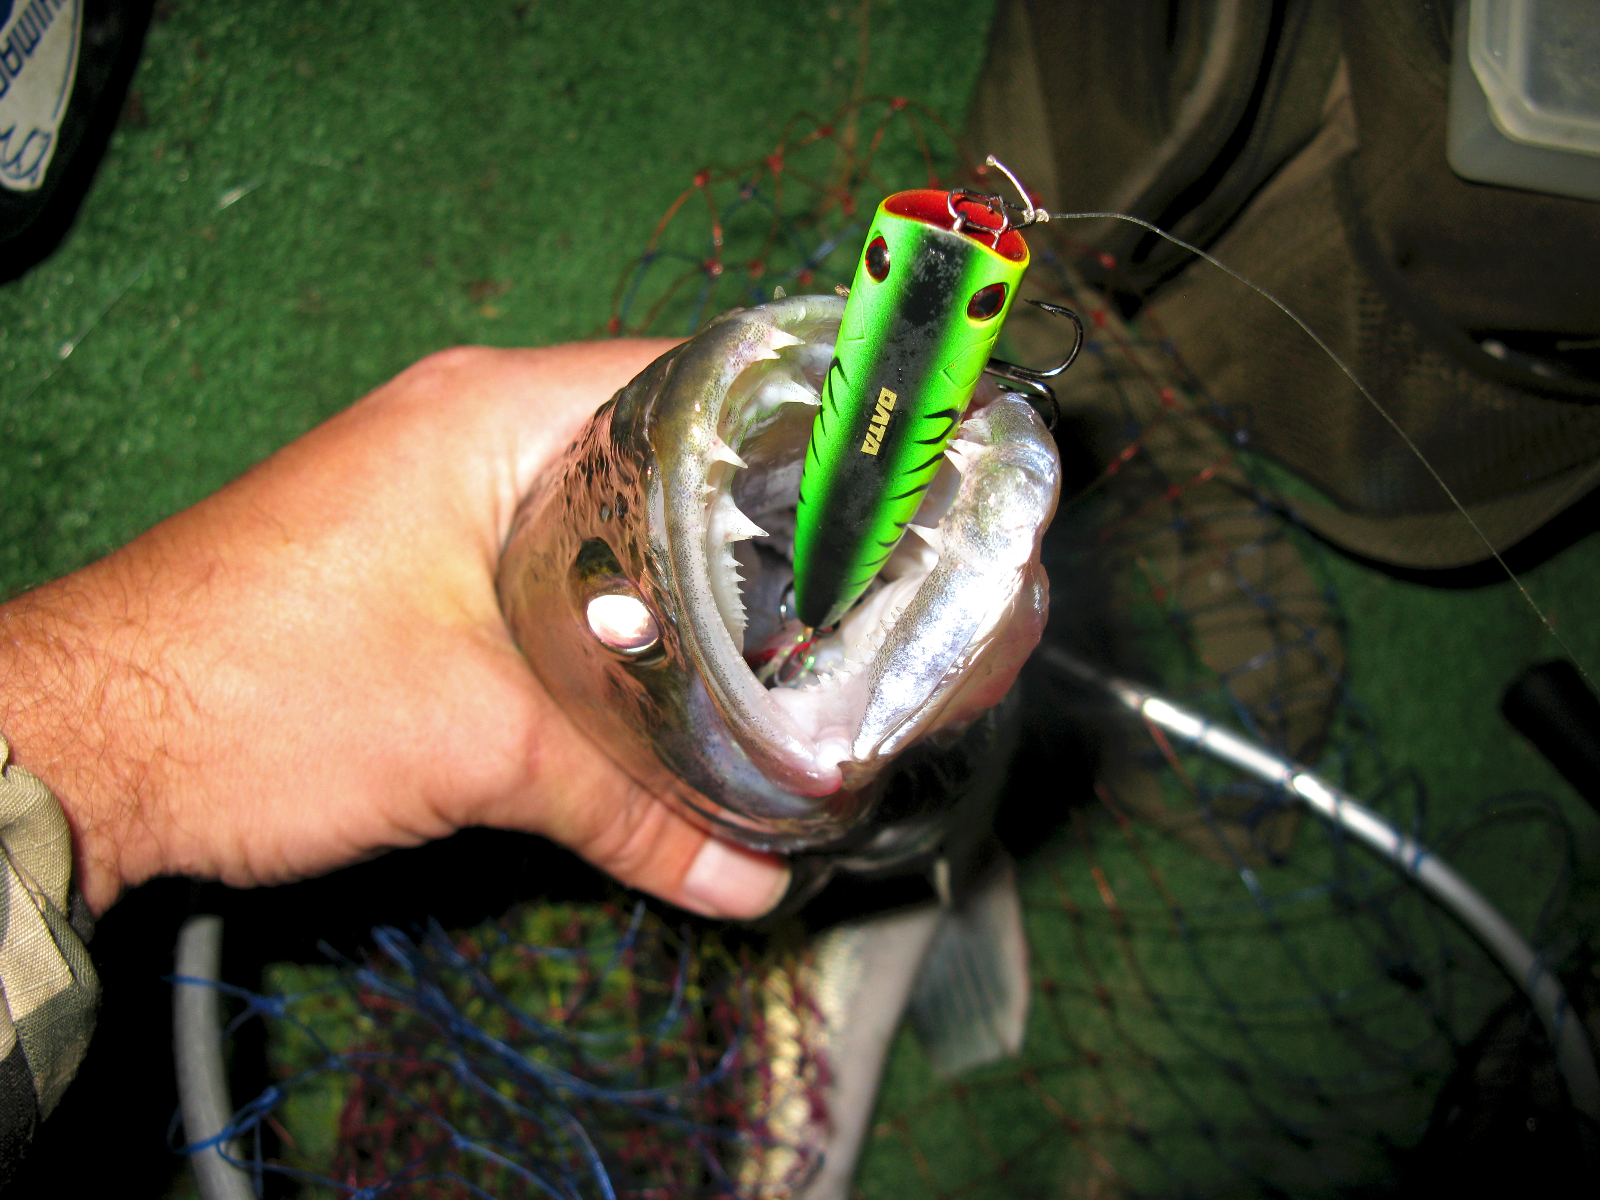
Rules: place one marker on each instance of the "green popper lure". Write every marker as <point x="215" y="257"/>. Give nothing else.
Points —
<point x="931" y="293"/>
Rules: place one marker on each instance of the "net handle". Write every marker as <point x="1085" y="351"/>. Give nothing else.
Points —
<point x="1430" y="873"/>
<point x="197" y="1051"/>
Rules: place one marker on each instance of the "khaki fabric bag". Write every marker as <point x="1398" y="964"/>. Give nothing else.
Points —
<point x="1303" y="143"/>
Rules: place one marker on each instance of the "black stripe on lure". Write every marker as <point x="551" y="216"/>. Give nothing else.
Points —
<point x="931" y="293"/>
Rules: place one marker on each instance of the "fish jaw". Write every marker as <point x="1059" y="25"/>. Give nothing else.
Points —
<point x="692" y="425"/>
<point x="696" y="462"/>
<point x="955" y="652"/>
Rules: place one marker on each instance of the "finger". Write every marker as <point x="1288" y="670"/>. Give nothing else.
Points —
<point x="650" y="846"/>
<point x="574" y="794"/>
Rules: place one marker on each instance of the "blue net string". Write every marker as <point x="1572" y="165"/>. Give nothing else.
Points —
<point x="563" y="1051"/>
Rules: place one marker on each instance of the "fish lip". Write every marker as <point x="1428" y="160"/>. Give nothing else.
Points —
<point x="691" y="410"/>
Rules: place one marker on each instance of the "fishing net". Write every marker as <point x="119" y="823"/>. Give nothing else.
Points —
<point x="562" y="1050"/>
<point x="1229" y="998"/>
<point x="787" y="222"/>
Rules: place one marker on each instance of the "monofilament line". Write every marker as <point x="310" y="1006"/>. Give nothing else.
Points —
<point x="1359" y="386"/>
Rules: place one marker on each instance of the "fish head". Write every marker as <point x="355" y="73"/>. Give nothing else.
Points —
<point x="646" y="579"/>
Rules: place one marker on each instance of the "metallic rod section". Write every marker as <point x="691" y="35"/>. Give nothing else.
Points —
<point x="1574" y="1054"/>
<point x="197" y="1049"/>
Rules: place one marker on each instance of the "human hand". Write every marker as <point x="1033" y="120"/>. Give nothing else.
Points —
<point x="310" y="666"/>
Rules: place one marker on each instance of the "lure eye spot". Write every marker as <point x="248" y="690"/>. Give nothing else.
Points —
<point x="878" y="260"/>
<point x="621" y="622"/>
<point x="986" y="303"/>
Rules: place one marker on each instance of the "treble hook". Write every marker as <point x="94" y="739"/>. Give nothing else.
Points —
<point x="1034" y="380"/>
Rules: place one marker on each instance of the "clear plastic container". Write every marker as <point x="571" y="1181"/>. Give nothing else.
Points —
<point x="1525" y="95"/>
<point x="1538" y="62"/>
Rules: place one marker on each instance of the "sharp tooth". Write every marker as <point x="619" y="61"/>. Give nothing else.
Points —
<point x="781" y="389"/>
<point x="728" y="524"/>
<point x="958" y="452"/>
<point x="933" y="536"/>
<point x="777" y="340"/>
<point x="722" y="452"/>
<point x="737" y="527"/>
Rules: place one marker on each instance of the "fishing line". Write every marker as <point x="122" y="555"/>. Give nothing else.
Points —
<point x="1040" y="216"/>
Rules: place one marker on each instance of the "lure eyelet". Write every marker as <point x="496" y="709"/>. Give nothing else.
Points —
<point x="877" y="259"/>
<point x="986" y="303"/>
<point x="622" y="623"/>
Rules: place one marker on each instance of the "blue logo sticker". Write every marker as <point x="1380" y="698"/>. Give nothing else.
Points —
<point x="38" y="64"/>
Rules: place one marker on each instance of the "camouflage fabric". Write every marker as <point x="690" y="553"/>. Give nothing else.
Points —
<point x="48" y="988"/>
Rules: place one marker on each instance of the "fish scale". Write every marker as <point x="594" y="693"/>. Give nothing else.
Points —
<point x="915" y="338"/>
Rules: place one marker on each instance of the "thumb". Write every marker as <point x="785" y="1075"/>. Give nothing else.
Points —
<point x="668" y="856"/>
<point x="584" y="801"/>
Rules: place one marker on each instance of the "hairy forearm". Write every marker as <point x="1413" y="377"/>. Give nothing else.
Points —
<point x="83" y="703"/>
<point x="310" y="666"/>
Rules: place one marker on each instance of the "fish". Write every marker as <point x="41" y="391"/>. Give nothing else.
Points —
<point x="648" y="580"/>
<point x="675" y="505"/>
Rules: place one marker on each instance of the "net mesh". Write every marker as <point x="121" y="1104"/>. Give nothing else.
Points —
<point x="563" y="1050"/>
<point x="1228" y="998"/>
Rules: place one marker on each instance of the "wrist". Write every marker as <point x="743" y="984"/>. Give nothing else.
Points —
<point x="71" y="706"/>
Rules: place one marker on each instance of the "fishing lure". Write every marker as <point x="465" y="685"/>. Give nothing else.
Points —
<point x="931" y="293"/>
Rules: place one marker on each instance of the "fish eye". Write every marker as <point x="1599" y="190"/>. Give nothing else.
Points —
<point x="878" y="259"/>
<point x="623" y="623"/>
<point x="987" y="302"/>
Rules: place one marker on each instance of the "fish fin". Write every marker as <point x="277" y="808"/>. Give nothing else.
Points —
<point x="969" y="1005"/>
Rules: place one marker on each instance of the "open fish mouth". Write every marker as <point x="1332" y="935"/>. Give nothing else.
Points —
<point x="679" y="499"/>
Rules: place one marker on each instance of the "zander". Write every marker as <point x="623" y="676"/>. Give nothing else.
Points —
<point x="645" y="581"/>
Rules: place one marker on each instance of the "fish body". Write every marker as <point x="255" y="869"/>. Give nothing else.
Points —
<point x="931" y="292"/>
<point x="678" y="498"/>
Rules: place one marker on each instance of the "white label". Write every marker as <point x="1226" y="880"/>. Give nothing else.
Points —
<point x="38" y="62"/>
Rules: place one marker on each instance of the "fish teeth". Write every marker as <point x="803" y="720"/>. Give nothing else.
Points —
<point x="727" y="523"/>
<point x="741" y="528"/>
<point x="785" y="389"/>
<point x="933" y="535"/>
<point x="725" y="590"/>
<point x="724" y="453"/>
<point x="959" y="452"/>
<point x="777" y="340"/>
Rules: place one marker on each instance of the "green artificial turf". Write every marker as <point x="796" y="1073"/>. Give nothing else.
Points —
<point x="303" y="199"/>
